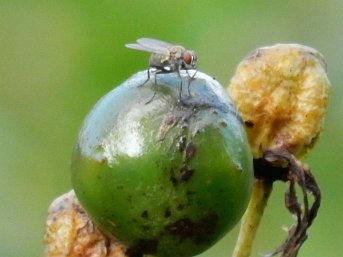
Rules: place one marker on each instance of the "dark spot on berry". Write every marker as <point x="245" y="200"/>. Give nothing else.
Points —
<point x="198" y="231"/>
<point x="180" y="207"/>
<point x="190" y="150"/>
<point x="174" y="181"/>
<point x="167" y="213"/>
<point x="223" y="124"/>
<point x="186" y="173"/>
<point x="145" y="214"/>
<point x="169" y="120"/>
<point x="142" y="247"/>
<point x="249" y="124"/>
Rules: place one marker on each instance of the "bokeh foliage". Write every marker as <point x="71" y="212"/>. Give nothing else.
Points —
<point x="57" y="58"/>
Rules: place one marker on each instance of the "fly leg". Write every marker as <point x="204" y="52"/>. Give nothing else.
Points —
<point x="190" y="80"/>
<point x="155" y="85"/>
<point x="180" y="96"/>
<point x="148" y="78"/>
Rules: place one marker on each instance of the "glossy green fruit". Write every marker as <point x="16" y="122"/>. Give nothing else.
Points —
<point x="166" y="178"/>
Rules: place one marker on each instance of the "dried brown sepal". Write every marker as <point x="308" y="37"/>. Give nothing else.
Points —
<point x="278" y="165"/>
<point x="70" y="233"/>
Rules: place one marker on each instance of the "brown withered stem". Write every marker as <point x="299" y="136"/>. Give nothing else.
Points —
<point x="278" y="165"/>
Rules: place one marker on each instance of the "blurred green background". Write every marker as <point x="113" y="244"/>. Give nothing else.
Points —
<point x="57" y="58"/>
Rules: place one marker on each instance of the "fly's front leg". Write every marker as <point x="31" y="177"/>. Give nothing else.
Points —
<point x="190" y="80"/>
<point x="180" y="95"/>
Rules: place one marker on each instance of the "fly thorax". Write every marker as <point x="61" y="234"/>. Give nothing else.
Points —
<point x="176" y="52"/>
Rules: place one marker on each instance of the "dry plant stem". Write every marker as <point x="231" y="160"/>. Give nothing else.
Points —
<point x="281" y="165"/>
<point x="297" y="234"/>
<point x="252" y="217"/>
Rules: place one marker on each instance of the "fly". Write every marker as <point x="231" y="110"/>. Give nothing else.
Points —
<point x="166" y="57"/>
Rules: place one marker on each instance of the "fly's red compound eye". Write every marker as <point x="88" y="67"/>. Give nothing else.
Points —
<point x="187" y="58"/>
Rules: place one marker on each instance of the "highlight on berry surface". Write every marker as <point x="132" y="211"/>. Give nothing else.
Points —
<point x="282" y="93"/>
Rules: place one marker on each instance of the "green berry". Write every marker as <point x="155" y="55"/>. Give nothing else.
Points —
<point x="165" y="176"/>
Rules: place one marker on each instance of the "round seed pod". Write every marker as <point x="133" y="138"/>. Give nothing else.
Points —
<point x="282" y="93"/>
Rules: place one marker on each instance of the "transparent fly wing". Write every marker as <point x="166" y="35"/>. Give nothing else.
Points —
<point x="159" y="46"/>
<point x="156" y="50"/>
<point x="153" y="42"/>
<point x="141" y="48"/>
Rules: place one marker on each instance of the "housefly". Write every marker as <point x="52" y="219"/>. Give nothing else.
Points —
<point x="166" y="57"/>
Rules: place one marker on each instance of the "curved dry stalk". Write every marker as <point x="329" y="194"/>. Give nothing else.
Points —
<point x="280" y="166"/>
